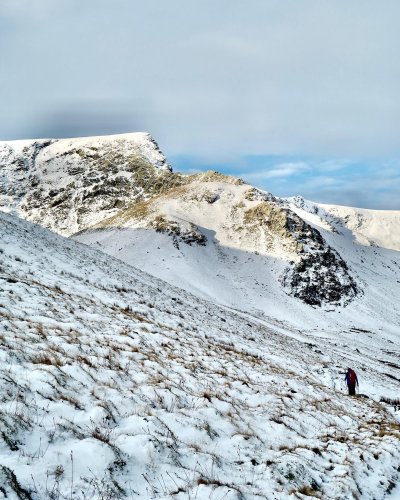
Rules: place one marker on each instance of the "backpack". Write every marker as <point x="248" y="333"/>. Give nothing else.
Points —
<point x="352" y="377"/>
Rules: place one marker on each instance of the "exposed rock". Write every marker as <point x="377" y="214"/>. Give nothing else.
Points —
<point x="320" y="276"/>
<point x="70" y="184"/>
<point x="189" y="235"/>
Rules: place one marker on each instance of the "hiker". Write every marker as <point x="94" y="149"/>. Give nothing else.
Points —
<point x="351" y="381"/>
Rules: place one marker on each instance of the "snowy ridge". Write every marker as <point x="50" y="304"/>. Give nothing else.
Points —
<point x="69" y="184"/>
<point x="369" y="227"/>
<point x="249" y="243"/>
<point x="115" y="384"/>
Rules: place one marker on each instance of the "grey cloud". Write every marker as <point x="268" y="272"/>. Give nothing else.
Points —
<point x="213" y="79"/>
<point x="292" y="77"/>
<point x="87" y="118"/>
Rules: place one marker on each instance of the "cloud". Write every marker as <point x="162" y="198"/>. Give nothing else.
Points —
<point x="307" y="79"/>
<point x="362" y="185"/>
<point x="94" y="117"/>
<point x="25" y="12"/>
<point x="281" y="170"/>
<point x="276" y="78"/>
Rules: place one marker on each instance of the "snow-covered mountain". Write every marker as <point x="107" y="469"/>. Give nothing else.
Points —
<point x="117" y="385"/>
<point x="369" y="227"/>
<point x="200" y="353"/>
<point x="69" y="184"/>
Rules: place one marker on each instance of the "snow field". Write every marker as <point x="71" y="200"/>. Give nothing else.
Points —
<point x="115" y="384"/>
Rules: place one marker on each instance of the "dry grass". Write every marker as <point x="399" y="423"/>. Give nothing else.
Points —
<point x="136" y="211"/>
<point x="307" y="491"/>
<point x="46" y="359"/>
<point x="212" y="176"/>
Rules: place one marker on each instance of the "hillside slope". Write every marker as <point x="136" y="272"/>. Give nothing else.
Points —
<point x="369" y="227"/>
<point x="70" y="185"/>
<point x="115" y="384"/>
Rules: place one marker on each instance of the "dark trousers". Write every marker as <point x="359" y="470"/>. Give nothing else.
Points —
<point x="352" y="389"/>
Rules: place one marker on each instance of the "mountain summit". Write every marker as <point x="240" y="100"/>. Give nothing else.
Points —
<point x="69" y="184"/>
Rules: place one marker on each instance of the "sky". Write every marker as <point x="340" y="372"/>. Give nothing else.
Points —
<point x="295" y="96"/>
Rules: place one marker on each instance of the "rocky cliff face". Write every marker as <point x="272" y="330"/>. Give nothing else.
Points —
<point x="69" y="184"/>
<point x="321" y="276"/>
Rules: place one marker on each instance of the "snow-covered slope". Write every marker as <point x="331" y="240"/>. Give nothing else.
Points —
<point x="224" y="217"/>
<point x="369" y="227"/>
<point x="115" y="384"/>
<point x="70" y="184"/>
<point x="234" y="244"/>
